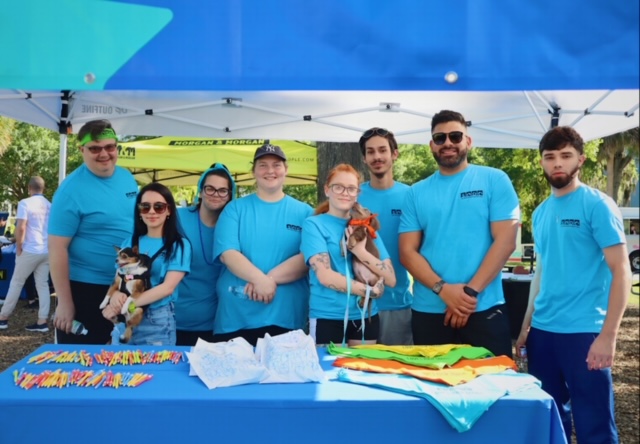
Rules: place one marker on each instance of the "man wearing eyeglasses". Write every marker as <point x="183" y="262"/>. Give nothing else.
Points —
<point x="384" y="196"/>
<point x="457" y="230"/>
<point x="91" y="212"/>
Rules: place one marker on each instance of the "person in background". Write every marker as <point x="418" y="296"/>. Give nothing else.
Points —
<point x="579" y="292"/>
<point x="91" y="212"/>
<point x="323" y="249"/>
<point x="457" y="230"/>
<point x="32" y="255"/>
<point x="156" y="233"/>
<point x="384" y="196"/>
<point x="196" y="307"/>
<point x="263" y="287"/>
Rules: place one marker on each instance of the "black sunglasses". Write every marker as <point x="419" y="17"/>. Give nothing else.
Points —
<point x="95" y="149"/>
<point x="374" y="132"/>
<point x="158" y="207"/>
<point x="441" y="138"/>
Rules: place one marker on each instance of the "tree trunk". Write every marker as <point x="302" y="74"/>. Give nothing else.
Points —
<point x="331" y="154"/>
<point x="611" y="173"/>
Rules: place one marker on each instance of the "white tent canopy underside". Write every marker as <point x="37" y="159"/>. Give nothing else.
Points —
<point x="500" y="119"/>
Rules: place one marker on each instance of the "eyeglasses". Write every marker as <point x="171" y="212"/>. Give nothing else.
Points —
<point x="96" y="149"/>
<point x="158" y="207"/>
<point x="212" y="191"/>
<point x="374" y="132"/>
<point x="441" y="138"/>
<point x="340" y="189"/>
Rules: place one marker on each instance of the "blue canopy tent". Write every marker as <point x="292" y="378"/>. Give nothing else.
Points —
<point x="322" y="70"/>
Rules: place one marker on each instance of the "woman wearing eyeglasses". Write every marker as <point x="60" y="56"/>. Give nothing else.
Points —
<point x="156" y="233"/>
<point x="198" y="301"/>
<point x="334" y="312"/>
<point x="263" y="288"/>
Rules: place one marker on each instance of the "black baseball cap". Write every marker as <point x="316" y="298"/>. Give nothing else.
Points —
<point x="269" y="150"/>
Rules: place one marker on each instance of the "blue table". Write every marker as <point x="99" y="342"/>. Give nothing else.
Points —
<point x="7" y="265"/>
<point x="174" y="407"/>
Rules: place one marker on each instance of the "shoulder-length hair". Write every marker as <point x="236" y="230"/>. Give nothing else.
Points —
<point x="172" y="233"/>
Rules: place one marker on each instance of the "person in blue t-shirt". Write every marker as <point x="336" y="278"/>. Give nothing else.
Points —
<point x="263" y="287"/>
<point x="90" y="213"/>
<point x="384" y="196"/>
<point x="157" y="233"/>
<point x="457" y="230"/>
<point x="335" y="315"/>
<point x="196" y="307"/>
<point x="579" y="292"/>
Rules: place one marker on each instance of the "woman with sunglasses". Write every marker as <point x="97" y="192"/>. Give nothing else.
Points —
<point x="196" y="307"/>
<point x="263" y="288"/>
<point x="156" y="233"/>
<point x="333" y="290"/>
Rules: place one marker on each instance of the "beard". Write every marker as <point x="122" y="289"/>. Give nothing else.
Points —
<point x="560" y="182"/>
<point x="451" y="162"/>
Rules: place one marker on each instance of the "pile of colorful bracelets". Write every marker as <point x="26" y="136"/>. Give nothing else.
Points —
<point x="78" y="378"/>
<point x="107" y="357"/>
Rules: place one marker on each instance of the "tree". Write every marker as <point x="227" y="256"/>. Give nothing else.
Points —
<point x="6" y="131"/>
<point x="331" y="154"/>
<point x="33" y="151"/>
<point x="617" y="152"/>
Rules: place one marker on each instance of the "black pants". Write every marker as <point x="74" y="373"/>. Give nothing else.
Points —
<point x="251" y="335"/>
<point x="87" y="299"/>
<point x="488" y="329"/>
<point x="186" y="337"/>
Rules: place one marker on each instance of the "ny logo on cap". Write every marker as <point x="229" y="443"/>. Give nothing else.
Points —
<point x="270" y="148"/>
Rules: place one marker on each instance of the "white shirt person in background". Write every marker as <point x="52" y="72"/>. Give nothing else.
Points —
<point x="32" y="255"/>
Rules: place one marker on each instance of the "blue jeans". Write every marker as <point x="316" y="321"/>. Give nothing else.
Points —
<point x="158" y="327"/>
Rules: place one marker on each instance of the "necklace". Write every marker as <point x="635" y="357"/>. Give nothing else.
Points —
<point x="204" y="255"/>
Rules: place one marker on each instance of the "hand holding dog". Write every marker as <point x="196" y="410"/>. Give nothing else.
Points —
<point x="117" y="300"/>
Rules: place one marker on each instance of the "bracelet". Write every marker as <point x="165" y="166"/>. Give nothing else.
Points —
<point x="470" y="291"/>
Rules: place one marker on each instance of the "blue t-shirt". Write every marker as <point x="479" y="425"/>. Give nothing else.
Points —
<point x="267" y="234"/>
<point x="96" y="213"/>
<point x="322" y="234"/>
<point x="570" y="233"/>
<point x="454" y="214"/>
<point x="388" y="205"/>
<point x="179" y="261"/>
<point x="198" y="301"/>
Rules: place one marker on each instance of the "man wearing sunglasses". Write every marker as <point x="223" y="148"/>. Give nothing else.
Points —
<point x="457" y="230"/>
<point x="91" y="212"/>
<point x="384" y="196"/>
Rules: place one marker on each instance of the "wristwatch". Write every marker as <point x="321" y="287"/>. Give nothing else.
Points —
<point x="470" y="291"/>
<point x="438" y="287"/>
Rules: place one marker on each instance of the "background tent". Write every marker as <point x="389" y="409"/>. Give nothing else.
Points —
<point x="181" y="160"/>
<point x="325" y="71"/>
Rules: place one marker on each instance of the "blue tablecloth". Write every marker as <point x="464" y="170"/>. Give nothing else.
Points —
<point x="7" y="265"/>
<point x="174" y="407"/>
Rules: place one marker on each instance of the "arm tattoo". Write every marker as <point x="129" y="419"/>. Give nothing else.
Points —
<point x="320" y="261"/>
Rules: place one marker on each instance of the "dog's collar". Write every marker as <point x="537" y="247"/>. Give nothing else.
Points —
<point x="366" y="222"/>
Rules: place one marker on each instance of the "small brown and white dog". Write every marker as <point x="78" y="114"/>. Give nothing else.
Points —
<point x="364" y="226"/>
<point x="133" y="278"/>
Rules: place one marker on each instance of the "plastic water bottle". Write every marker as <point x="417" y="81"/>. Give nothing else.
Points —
<point x="523" y="360"/>
<point x="238" y="291"/>
<point x="77" y="328"/>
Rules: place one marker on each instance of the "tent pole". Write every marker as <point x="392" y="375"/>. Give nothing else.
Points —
<point x="555" y="117"/>
<point x="63" y="128"/>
